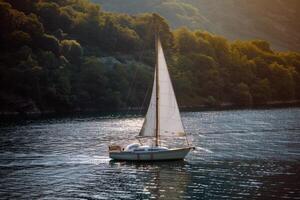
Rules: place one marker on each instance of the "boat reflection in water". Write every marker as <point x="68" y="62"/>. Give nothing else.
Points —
<point x="159" y="180"/>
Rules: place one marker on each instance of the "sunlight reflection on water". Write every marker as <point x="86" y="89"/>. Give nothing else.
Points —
<point x="240" y="154"/>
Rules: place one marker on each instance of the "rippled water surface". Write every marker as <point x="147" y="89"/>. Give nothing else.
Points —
<point x="248" y="154"/>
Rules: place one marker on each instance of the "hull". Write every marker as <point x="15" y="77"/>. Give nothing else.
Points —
<point x="172" y="154"/>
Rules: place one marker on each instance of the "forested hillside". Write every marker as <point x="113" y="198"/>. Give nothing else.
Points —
<point x="70" y="55"/>
<point x="276" y="21"/>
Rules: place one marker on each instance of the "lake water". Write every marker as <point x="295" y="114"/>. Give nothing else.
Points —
<point x="243" y="154"/>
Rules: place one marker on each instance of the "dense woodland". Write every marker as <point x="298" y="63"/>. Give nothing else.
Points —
<point x="69" y="55"/>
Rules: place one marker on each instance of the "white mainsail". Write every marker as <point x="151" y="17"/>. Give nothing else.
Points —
<point x="169" y="117"/>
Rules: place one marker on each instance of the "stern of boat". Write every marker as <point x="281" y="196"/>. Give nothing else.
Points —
<point x="114" y="148"/>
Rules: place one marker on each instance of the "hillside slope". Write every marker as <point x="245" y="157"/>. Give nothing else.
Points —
<point x="71" y="56"/>
<point x="273" y="20"/>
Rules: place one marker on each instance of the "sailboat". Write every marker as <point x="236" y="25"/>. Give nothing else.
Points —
<point x="162" y="120"/>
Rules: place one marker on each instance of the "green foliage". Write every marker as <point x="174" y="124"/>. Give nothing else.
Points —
<point x="283" y="83"/>
<point x="263" y="45"/>
<point x="242" y="95"/>
<point x="261" y="91"/>
<point x="72" y="50"/>
<point x="49" y="43"/>
<point x="20" y="38"/>
<point x="69" y="55"/>
<point x="243" y="73"/>
<point x="91" y="84"/>
<point x="185" y="40"/>
<point x="50" y="14"/>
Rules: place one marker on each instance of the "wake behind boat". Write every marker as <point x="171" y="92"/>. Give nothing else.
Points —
<point x="162" y="120"/>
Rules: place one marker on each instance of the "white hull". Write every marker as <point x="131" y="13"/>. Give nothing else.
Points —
<point x="171" y="154"/>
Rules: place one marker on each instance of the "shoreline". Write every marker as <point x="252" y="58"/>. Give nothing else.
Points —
<point x="229" y="106"/>
<point x="139" y="111"/>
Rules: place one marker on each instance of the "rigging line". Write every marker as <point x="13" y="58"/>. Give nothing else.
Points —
<point x="144" y="100"/>
<point x="186" y="136"/>
<point x="132" y="84"/>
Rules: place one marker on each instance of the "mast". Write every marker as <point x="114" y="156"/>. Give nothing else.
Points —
<point x="163" y="116"/>
<point x="157" y="85"/>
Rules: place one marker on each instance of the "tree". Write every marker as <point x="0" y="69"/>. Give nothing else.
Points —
<point x="69" y="54"/>
<point x="91" y="84"/>
<point x="50" y="14"/>
<point x="49" y="43"/>
<point x="72" y="50"/>
<point x="185" y="41"/>
<point x="20" y="38"/>
<point x="261" y="91"/>
<point x="282" y="82"/>
<point x="242" y="95"/>
<point x="263" y="45"/>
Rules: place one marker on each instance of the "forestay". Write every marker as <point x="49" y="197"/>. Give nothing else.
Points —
<point x="169" y="117"/>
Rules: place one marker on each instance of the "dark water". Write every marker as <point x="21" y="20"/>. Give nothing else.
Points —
<point x="241" y="155"/>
